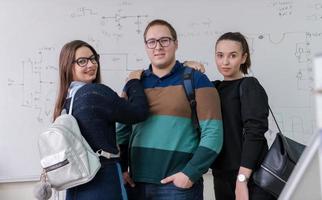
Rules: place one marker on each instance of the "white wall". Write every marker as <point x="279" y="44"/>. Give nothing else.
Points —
<point x="17" y="191"/>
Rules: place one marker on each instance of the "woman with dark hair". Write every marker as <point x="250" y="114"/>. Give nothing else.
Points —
<point x="96" y="108"/>
<point x="244" y="107"/>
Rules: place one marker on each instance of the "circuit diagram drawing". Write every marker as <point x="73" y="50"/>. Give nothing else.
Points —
<point x="118" y="20"/>
<point x="35" y="83"/>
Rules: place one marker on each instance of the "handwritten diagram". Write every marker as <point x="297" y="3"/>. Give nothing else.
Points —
<point x="284" y="36"/>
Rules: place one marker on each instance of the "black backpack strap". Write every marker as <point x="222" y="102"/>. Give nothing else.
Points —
<point x="191" y="96"/>
<point x="216" y="83"/>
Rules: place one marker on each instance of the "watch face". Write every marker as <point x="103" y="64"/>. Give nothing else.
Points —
<point x="241" y="178"/>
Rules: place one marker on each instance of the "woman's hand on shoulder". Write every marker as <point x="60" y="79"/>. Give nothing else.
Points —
<point x="195" y="65"/>
<point x="136" y="74"/>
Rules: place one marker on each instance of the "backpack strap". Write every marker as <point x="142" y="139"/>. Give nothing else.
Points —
<point x="73" y="88"/>
<point x="71" y="104"/>
<point x="191" y="96"/>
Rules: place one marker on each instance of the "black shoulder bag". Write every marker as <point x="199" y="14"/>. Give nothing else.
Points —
<point x="278" y="164"/>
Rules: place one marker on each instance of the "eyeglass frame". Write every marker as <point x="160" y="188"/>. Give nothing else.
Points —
<point x="93" y="58"/>
<point x="159" y="41"/>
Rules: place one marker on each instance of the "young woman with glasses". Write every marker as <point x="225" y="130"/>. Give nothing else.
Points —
<point x="97" y="108"/>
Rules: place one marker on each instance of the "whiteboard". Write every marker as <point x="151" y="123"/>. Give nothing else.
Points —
<point x="318" y="90"/>
<point x="284" y="36"/>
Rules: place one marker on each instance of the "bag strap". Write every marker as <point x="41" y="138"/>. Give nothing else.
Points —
<point x="282" y="136"/>
<point x="286" y="144"/>
<point x="278" y="127"/>
<point x="74" y="87"/>
<point x="71" y="104"/>
<point x="191" y="96"/>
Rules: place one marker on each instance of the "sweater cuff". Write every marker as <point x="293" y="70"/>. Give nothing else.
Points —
<point x="130" y="84"/>
<point x="193" y="173"/>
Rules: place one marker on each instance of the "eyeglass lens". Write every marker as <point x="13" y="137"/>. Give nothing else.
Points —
<point x="164" y="42"/>
<point x="82" y="62"/>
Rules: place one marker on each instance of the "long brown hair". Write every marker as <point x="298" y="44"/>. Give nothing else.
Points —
<point x="66" y="59"/>
<point x="238" y="37"/>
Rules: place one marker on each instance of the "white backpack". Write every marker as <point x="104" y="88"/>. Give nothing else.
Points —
<point x="66" y="158"/>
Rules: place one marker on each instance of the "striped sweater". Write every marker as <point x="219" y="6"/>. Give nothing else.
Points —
<point x="166" y="143"/>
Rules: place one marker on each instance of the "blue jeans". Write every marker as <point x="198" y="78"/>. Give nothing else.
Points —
<point x="148" y="191"/>
<point x="106" y="185"/>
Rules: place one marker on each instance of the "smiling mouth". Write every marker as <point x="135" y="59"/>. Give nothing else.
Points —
<point x="159" y="54"/>
<point x="90" y="72"/>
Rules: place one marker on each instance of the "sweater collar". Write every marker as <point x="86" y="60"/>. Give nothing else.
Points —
<point x="74" y="85"/>
<point x="176" y="67"/>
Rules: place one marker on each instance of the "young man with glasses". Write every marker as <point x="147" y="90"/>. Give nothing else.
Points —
<point x="167" y="158"/>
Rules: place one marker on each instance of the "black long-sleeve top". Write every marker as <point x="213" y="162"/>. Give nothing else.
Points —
<point x="97" y="107"/>
<point x="244" y="106"/>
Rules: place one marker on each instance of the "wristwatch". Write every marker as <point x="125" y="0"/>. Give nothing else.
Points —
<point x="242" y="178"/>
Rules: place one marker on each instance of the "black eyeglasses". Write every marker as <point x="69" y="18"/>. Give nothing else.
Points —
<point x="164" y="42"/>
<point x="82" y="61"/>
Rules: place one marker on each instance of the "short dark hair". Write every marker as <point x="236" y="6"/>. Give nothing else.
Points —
<point x="238" y="37"/>
<point x="162" y="23"/>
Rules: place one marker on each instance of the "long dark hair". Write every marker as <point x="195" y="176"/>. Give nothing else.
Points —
<point x="66" y="58"/>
